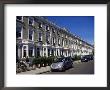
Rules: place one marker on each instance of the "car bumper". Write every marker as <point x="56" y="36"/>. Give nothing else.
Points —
<point x="56" y="69"/>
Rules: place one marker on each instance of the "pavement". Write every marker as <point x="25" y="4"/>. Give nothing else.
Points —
<point x="42" y="69"/>
<point x="37" y="70"/>
<point x="78" y="61"/>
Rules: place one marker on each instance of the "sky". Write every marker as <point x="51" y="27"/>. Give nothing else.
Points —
<point x="82" y="26"/>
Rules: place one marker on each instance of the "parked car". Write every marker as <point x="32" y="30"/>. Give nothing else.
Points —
<point x="86" y="58"/>
<point x="61" y="64"/>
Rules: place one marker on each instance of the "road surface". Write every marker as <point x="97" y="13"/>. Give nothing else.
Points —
<point x="79" y="68"/>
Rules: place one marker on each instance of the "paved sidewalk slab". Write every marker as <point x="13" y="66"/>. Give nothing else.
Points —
<point x="78" y="61"/>
<point x="37" y="71"/>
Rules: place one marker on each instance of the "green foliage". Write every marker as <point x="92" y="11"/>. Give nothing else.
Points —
<point x="36" y="61"/>
<point x="76" y="57"/>
<point x="50" y="59"/>
<point x="43" y="60"/>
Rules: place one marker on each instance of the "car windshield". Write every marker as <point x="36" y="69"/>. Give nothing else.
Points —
<point x="59" y="60"/>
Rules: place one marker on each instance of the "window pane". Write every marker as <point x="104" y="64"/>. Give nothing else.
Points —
<point x="30" y="34"/>
<point x="19" y="17"/>
<point x="30" y="51"/>
<point x="48" y="52"/>
<point x="30" y="20"/>
<point x="18" y="32"/>
<point x="40" y="36"/>
<point x="24" y="53"/>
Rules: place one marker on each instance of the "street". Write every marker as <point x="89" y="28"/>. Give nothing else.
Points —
<point x="79" y="68"/>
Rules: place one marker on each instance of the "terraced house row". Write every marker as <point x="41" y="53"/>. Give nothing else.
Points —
<point x="36" y="36"/>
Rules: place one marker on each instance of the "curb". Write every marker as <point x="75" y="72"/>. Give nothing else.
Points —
<point x="43" y="72"/>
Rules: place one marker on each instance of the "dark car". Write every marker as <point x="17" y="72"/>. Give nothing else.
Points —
<point x="61" y="64"/>
<point x="86" y="58"/>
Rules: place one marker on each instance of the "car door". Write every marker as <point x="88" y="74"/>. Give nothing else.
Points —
<point x="66" y="63"/>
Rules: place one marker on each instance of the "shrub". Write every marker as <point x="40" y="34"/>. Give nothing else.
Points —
<point x="76" y="57"/>
<point x="43" y="61"/>
<point x="50" y="59"/>
<point x="36" y="61"/>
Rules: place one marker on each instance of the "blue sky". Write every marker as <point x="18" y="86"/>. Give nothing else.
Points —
<point x="82" y="26"/>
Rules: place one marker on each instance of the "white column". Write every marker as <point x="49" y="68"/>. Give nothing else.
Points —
<point x="50" y="52"/>
<point x="60" y="52"/>
<point x="46" y="52"/>
<point x="22" y="53"/>
<point x="64" y="53"/>
<point x="43" y="52"/>
<point x="33" y="54"/>
<point x="67" y="52"/>
<point x="22" y="33"/>
<point x="33" y="36"/>
<point x="27" y="50"/>
<point x="56" y="52"/>
<point x="40" y="51"/>
<point x="72" y="53"/>
<point x="19" y="51"/>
